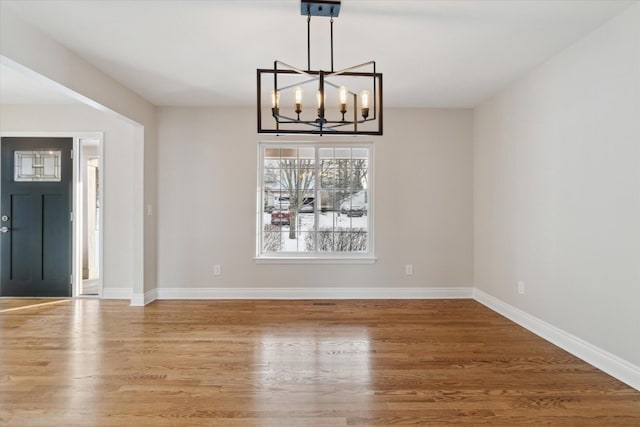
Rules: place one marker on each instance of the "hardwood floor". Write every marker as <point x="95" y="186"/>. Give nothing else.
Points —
<point x="292" y="363"/>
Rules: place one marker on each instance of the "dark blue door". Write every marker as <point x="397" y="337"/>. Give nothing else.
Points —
<point x="35" y="222"/>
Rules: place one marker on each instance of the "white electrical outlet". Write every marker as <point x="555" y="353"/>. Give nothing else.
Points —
<point x="520" y="287"/>
<point x="216" y="270"/>
<point x="408" y="269"/>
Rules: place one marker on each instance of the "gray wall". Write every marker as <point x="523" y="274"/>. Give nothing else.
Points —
<point x="557" y="190"/>
<point x="207" y="203"/>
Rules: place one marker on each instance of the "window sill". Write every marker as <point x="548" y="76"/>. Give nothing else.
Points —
<point x="315" y="260"/>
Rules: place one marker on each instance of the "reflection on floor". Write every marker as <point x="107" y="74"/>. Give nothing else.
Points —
<point x="13" y="304"/>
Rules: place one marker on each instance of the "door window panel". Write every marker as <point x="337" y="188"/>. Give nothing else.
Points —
<point x="41" y="166"/>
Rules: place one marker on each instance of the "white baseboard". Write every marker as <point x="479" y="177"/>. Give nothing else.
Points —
<point x="315" y="293"/>
<point x="150" y="296"/>
<point x="613" y="365"/>
<point x="140" y="300"/>
<point x="116" y="293"/>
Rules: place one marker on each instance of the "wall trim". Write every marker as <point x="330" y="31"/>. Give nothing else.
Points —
<point x="140" y="300"/>
<point x="315" y="293"/>
<point x="116" y="293"/>
<point x="613" y="365"/>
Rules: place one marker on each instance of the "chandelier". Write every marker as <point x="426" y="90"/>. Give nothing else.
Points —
<point x="347" y="101"/>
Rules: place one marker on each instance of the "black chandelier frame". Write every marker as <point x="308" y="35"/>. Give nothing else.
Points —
<point x="321" y="124"/>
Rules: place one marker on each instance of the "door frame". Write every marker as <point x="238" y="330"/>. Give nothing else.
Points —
<point x="76" y="229"/>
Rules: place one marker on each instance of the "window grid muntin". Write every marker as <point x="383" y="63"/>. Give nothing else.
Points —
<point x="340" y="157"/>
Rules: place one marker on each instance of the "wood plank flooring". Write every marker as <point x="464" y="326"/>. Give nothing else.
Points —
<point x="292" y="363"/>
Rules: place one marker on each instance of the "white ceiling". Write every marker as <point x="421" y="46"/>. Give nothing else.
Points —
<point x="447" y="53"/>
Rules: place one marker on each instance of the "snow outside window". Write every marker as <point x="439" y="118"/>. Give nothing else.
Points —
<point x="315" y="200"/>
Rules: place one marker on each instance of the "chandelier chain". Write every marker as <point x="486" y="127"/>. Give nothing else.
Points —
<point x="309" y="41"/>
<point x="331" y="40"/>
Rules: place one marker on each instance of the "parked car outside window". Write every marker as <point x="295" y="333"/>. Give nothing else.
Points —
<point x="280" y="218"/>
<point x="353" y="210"/>
<point x="354" y="205"/>
<point x="307" y="205"/>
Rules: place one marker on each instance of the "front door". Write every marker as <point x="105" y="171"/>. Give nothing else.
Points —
<point x="35" y="217"/>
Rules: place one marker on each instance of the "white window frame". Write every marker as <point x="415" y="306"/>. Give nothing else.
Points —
<point x="315" y="257"/>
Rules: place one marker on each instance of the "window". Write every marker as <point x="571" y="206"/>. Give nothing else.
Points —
<point x="32" y="166"/>
<point x="315" y="201"/>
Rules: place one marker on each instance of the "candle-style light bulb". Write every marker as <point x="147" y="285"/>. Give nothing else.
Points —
<point x="343" y="93"/>
<point x="364" y="97"/>
<point x="298" y="100"/>
<point x="298" y="95"/>
<point x="319" y="102"/>
<point x="275" y="102"/>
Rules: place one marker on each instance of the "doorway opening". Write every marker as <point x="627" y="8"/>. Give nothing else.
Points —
<point x="88" y="217"/>
<point x="36" y="229"/>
